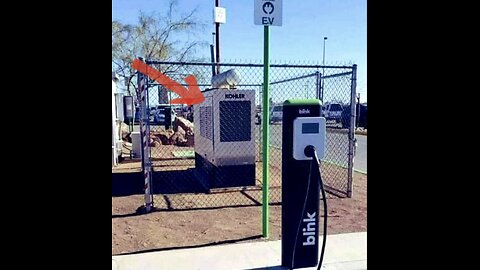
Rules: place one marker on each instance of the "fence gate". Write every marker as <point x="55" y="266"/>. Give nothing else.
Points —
<point x="175" y="149"/>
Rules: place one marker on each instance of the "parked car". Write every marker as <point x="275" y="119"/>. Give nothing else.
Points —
<point x="258" y="118"/>
<point x="136" y="116"/>
<point x="156" y="115"/>
<point x="276" y="114"/>
<point x="178" y="109"/>
<point x="332" y="111"/>
<point x="159" y="117"/>
<point x="187" y="113"/>
<point x="361" y="120"/>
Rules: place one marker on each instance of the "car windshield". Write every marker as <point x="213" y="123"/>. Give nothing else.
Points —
<point x="336" y="107"/>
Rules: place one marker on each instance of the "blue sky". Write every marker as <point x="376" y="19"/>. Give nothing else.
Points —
<point x="298" y="40"/>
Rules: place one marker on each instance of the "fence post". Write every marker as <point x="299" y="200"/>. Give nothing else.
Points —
<point x="351" y="131"/>
<point x="142" y="81"/>
<point x="260" y="126"/>
<point x="358" y="109"/>
<point x="318" y="76"/>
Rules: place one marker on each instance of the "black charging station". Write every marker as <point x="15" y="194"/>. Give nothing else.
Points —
<point x="300" y="211"/>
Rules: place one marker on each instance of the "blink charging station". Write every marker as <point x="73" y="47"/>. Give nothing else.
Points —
<point x="303" y="145"/>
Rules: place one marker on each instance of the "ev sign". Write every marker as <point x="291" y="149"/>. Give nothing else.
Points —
<point x="268" y="12"/>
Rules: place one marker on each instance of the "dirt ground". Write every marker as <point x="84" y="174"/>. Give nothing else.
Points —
<point x="170" y="229"/>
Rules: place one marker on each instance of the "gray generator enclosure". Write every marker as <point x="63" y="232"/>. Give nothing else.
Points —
<point x="224" y="138"/>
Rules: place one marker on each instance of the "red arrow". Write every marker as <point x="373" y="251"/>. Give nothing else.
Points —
<point x="189" y="96"/>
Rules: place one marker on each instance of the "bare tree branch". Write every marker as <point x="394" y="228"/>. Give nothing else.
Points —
<point x="154" y="38"/>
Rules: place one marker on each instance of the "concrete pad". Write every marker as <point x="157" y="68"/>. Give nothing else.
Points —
<point x="343" y="252"/>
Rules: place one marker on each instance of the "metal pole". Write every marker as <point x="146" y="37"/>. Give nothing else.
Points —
<point x="212" y="56"/>
<point x="144" y="140"/>
<point x="266" y="131"/>
<point x="148" y="151"/>
<point x="323" y="69"/>
<point x="351" y="132"/>
<point x="358" y="109"/>
<point x="171" y="118"/>
<point x="217" y="41"/>
<point x="260" y="127"/>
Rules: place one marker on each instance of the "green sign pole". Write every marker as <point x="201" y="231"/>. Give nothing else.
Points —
<point x="266" y="131"/>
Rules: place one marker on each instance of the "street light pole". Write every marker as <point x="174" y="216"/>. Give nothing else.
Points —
<point x="323" y="69"/>
<point x="217" y="41"/>
<point x="324" y="39"/>
<point x="212" y="54"/>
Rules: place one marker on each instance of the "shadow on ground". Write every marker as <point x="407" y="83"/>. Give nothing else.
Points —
<point x="164" y="182"/>
<point x="271" y="268"/>
<point x="231" y="241"/>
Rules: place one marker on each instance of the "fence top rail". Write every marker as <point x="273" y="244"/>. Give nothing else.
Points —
<point x="149" y="62"/>
<point x="207" y="85"/>
<point x="337" y="75"/>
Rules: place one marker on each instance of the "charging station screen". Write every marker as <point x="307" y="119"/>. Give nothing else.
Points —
<point x="310" y="128"/>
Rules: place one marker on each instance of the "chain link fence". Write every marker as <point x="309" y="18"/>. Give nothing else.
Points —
<point x="210" y="155"/>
